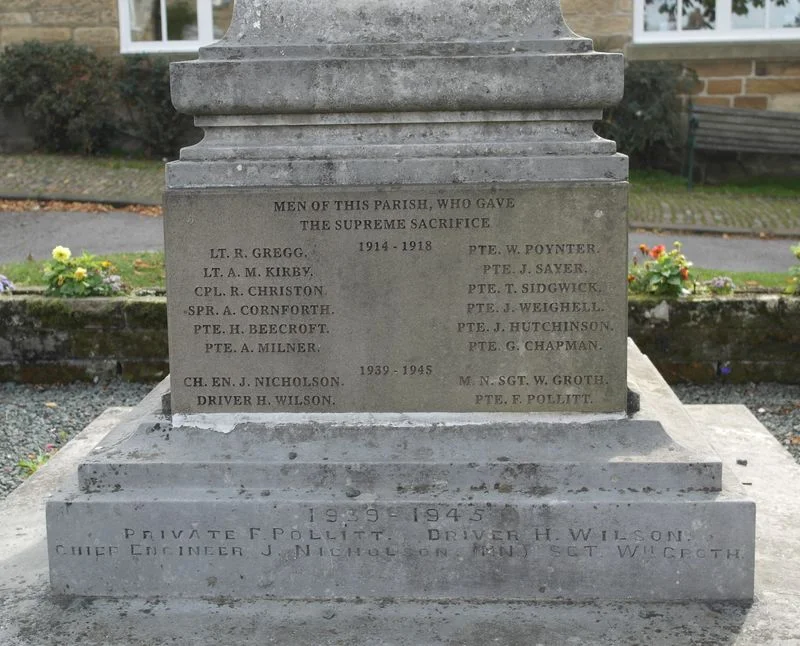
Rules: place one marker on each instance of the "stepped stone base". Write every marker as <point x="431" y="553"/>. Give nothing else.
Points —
<point x="626" y="509"/>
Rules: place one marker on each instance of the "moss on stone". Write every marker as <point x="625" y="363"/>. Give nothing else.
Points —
<point x="146" y="313"/>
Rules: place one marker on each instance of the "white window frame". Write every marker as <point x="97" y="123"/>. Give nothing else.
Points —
<point x="722" y="33"/>
<point x="205" y="31"/>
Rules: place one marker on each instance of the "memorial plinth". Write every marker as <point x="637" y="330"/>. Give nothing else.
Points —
<point x="397" y="315"/>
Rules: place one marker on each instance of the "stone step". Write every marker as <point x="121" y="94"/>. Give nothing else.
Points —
<point x="197" y="544"/>
<point x="537" y="460"/>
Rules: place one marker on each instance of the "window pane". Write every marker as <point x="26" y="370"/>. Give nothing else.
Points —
<point x="659" y="15"/>
<point x="223" y="11"/>
<point x="749" y="14"/>
<point x="181" y="20"/>
<point x="784" y="13"/>
<point x="145" y="20"/>
<point x="699" y="14"/>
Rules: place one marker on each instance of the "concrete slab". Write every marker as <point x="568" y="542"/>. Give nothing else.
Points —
<point x="31" y="616"/>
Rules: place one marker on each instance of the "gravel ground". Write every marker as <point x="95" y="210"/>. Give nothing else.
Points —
<point x="33" y="417"/>
<point x="777" y="406"/>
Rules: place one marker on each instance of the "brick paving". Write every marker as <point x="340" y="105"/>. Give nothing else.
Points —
<point x="83" y="178"/>
<point x="715" y="211"/>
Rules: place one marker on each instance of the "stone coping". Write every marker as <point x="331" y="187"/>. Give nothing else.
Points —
<point x="737" y="339"/>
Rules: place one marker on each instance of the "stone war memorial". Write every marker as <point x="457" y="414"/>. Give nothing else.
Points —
<point x="396" y="271"/>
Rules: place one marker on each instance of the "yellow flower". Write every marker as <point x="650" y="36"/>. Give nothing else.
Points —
<point x="80" y="273"/>
<point x="62" y="254"/>
<point x="105" y="264"/>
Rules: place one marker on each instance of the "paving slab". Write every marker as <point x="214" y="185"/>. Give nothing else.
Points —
<point x="30" y="615"/>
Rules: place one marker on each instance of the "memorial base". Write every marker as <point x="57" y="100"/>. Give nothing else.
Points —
<point x="627" y="509"/>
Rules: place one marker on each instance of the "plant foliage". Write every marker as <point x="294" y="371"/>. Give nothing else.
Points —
<point x="646" y="124"/>
<point x="64" y="91"/>
<point x="143" y="89"/>
<point x="794" y="273"/>
<point x="84" y="275"/>
<point x="74" y="101"/>
<point x="660" y="273"/>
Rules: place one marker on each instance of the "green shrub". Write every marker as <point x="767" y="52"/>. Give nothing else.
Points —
<point x="74" y="101"/>
<point x="646" y="124"/>
<point x="143" y="87"/>
<point x="65" y="93"/>
<point x="794" y="273"/>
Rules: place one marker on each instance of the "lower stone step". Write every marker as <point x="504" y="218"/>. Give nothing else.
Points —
<point x="259" y="544"/>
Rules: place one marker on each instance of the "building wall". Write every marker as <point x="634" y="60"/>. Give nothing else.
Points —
<point x="742" y="75"/>
<point x="608" y="22"/>
<point x="765" y="76"/>
<point x="760" y="85"/>
<point x="86" y="22"/>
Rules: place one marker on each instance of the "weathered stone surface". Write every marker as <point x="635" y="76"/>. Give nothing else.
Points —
<point x="281" y="57"/>
<point x="50" y="340"/>
<point x="410" y="511"/>
<point x="32" y="616"/>
<point x="15" y="18"/>
<point x="415" y="299"/>
<point x="425" y="412"/>
<point x="410" y="92"/>
<point x="11" y="35"/>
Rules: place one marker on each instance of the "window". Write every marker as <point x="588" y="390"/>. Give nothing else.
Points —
<point x="665" y="21"/>
<point x="171" y="25"/>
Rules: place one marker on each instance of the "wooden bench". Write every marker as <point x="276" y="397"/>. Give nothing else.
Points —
<point x="737" y="130"/>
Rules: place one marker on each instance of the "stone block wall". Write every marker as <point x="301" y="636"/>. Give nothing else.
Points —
<point x="764" y="76"/>
<point x="734" y="339"/>
<point x="608" y="22"/>
<point x="758" y="85"/>
<point x="87" y="22"/>
<point x="46" y="340"/>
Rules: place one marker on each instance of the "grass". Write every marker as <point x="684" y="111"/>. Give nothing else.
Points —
<point x="744" y="279"/>
<point x="146" y="270"/>
<point x="661" y="181"/>
<point x="138" y="270"/>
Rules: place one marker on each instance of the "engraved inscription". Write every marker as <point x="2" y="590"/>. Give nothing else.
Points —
<point x="412" y="299"/>
<point x="462" y="533"/>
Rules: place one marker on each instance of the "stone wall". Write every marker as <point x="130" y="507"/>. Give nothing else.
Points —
<point x="86" y="22"/>
<point x="734" y="339"/>
<point x="702" y="340"/>
<point x="608" y="22"/>
<point x="759" y="85"/>
<point x="765" y="76"/>
<point x="761" y="76"/>
<point x="45" y="340"/>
